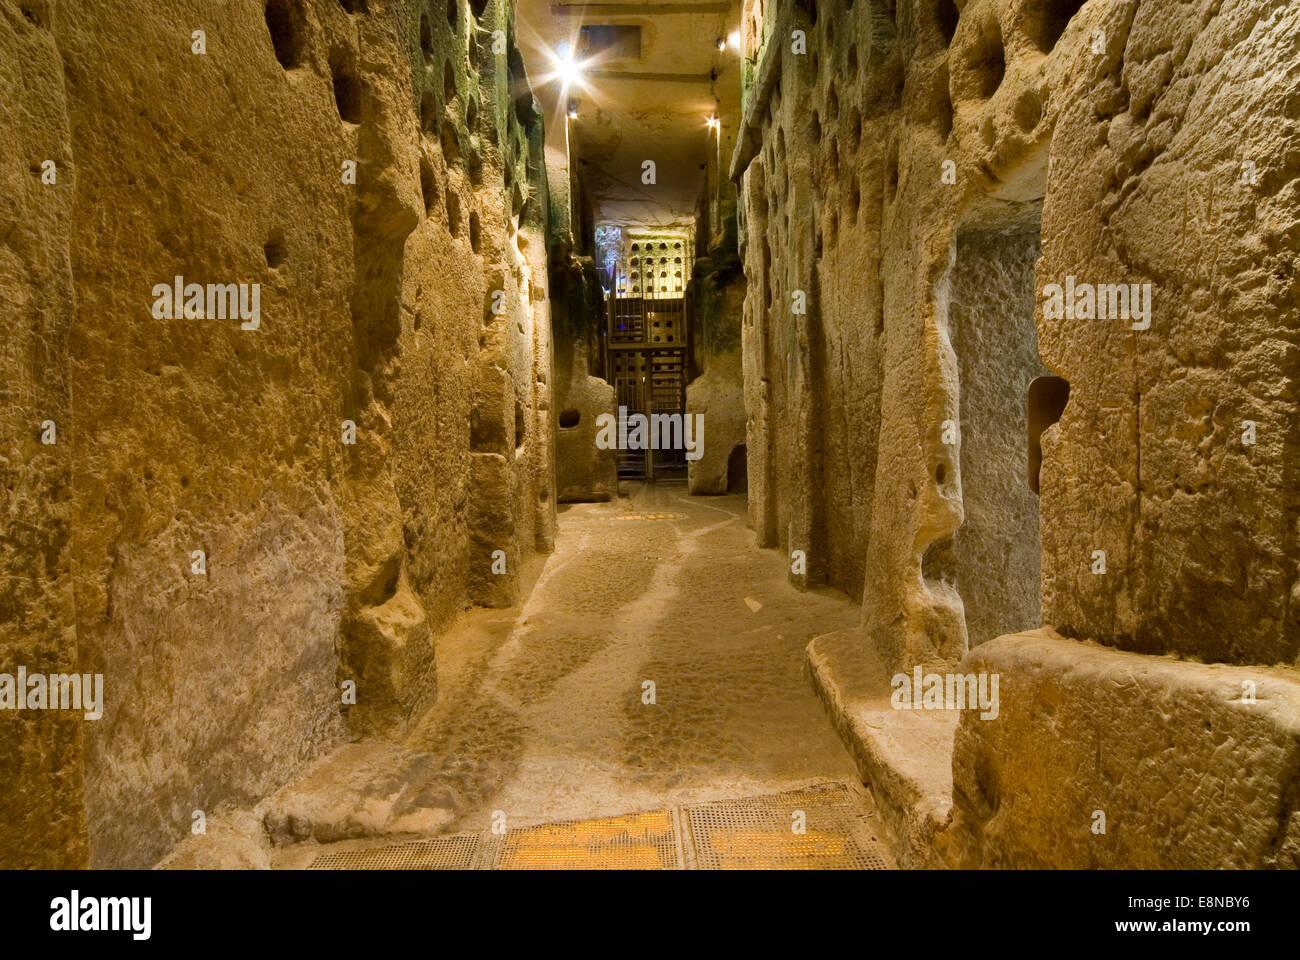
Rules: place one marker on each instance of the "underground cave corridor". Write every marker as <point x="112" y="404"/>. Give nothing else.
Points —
<point x="502" y="435"/>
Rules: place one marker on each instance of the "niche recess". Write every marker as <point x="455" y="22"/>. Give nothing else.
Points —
<point x="1045" y="404"/>
<point x="995" y="558"/>
<point x="285" y="21"/>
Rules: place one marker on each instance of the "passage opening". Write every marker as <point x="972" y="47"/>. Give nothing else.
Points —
<point x="996" y="551"/>
<point x="738" y="470"/>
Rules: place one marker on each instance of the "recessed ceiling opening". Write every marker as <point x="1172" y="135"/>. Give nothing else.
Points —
<point x="611" y="41"/>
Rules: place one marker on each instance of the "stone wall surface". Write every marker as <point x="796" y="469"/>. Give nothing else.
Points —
<point x="43" y="819"/>
<point x="1106" y="759"/>
<point x="583" y="471"/>
<point x="1148" y="185"/>
<point x="923" y="173"/>
<point x="327" y="562"/>
<point x="716" y="298"/>
<point x="995" y="552"/>
<point x="900" y="129"/>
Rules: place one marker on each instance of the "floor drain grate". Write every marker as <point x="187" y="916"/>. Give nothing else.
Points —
<point x="441" y="853"/>
<point x="639" y="841"/>
<point x="763" y="833"/>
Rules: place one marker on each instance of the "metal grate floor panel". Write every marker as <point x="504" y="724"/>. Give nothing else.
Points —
<point x="649" y="516"/>
<point x="441" y="853"/>
<point x="639" y="841"/>
<point x="822" y="827"/>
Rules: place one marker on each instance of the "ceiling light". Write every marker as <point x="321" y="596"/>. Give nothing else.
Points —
<point x="567" y="69"/>
<point x="722" y="44"/>
<point x="712" y="122"/>
<point x="734" y="39"/>
<point x="570" y="73"/>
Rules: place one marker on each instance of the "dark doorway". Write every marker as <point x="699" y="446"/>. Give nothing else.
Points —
<point x="738" y="470"/>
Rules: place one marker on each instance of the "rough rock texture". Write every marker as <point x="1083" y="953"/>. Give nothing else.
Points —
<point x="904" y="755"/>
<point x="327" y="561"/>
<point x="583" y="471"/>
<point x="716" y="297"/>
<point x="42" y="815"/>
<point x="845" y="150"/>
<point x="1195" y="766"/>
<point x="1147" y="185"/>
<point x="902" y="172"/>
<point x="812" y="244"/>
<point x="994" y="559"/>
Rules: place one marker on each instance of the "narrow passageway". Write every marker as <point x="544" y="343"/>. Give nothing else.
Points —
<point x="657" y="660"/>
<point x="626" y="434"/>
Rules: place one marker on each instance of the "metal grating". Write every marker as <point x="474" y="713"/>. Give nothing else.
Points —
<point x="649" y="516"/>
<point x="638" y="841"/>
<point x="758" y="833"/>
<point x="441" y="853"/>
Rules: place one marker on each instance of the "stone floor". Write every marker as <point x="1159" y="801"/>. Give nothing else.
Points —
<point x="541" y="716"/>
<point x="827" y="826"/>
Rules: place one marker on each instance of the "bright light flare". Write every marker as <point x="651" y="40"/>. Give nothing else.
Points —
<point x="565" y="68"/>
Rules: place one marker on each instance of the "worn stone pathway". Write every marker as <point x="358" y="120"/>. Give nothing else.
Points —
<point x="542" y="712"/>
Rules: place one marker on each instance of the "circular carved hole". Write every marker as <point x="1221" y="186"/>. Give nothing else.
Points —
<point x="1029" y="110"/>
<point x="428" y="113"/>
<point x="448" y="82"/>
<point x="987" y="62"/>
<point x="1046" y="20"/>
<point x="450" y="143"/>
<point x="943" y="114"/>
<point x="426" y="39"/>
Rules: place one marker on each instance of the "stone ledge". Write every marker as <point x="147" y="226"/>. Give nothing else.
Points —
<point x="904" y="756"/>
<point x="1187" y="772"/>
